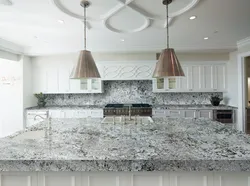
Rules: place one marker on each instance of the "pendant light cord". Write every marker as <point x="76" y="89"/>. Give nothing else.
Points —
<point x="167" y="27"/>
<point x="85" y="35"/>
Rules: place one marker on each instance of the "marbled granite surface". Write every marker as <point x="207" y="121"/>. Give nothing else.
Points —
<point x="177" y="107"/>
<point x="131" y="92"/>
<point x="184" y="107"/>
<point x="68" y="107"/>
<point x="167" y="145"/>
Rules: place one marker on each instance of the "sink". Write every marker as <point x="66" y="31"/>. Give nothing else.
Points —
<point x="30" y="135"/>
<point x="133" y="120"/>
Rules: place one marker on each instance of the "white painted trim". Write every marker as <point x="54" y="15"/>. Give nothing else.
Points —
<point x="243" y="42"/>
<point x="241" y="124"/>
<point x="11" y="47"/>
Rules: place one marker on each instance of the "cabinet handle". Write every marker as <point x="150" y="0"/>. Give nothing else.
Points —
<point x="190" y="89"/>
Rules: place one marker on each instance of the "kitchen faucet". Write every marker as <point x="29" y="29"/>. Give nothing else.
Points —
<point x="129" y="113"/>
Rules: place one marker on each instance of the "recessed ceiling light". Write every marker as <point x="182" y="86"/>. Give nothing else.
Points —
<point x="122" y="40"/>
<point x="206" y="38"/>
<point x="60" y="21"/>
<point x="193" y="17"/>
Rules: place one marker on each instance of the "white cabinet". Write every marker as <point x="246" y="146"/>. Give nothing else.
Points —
<point x="56" y="80"/>
<point x="188" y="113"/>
<point x="124" y="179"/>
<point x="174" y="113"/>
<point x="39" y="80"/>
<point x="159" y="113"/>
<point x="71" y="113"/>
<point x="63" y="80"/>
<point x="199" y="77"/>
<point x="219" y="78"/>
<point x="205" y="114"/>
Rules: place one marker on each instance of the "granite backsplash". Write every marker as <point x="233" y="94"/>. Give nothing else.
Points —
<point x="129" y="92"/>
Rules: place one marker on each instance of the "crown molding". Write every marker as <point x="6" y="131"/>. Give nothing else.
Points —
<point x="6" y="2"/>
<point x="11" y="47"/>
<point x="243" y="42"/>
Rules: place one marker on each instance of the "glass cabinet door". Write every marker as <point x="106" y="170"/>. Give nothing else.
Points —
<point x="172" y="83"/>
<point x="84" y="84"/>
<point x="95" y="84"/>
<point x="160" y="83"/>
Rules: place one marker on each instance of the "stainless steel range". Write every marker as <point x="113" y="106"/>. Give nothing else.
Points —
<point x="128" y="110"/>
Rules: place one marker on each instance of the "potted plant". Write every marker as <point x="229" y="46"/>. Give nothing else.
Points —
<point x="41" y="99"/>
<point x="215" y="100"/>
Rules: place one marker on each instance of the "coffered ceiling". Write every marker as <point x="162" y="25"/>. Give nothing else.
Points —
<point x="42" y="27"/>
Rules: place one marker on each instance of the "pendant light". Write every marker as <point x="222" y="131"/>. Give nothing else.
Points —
<point x="85" y="67"/>
<point x="168" y="64"/>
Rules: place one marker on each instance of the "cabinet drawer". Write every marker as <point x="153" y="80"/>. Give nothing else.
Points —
<point x="159" y="113"/>
<point x="96" y="113"/>
<point x="174" y="113"/>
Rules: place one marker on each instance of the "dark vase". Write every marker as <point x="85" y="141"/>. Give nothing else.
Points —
<point x="215" y="103"/>
<point x="41" y="104"/>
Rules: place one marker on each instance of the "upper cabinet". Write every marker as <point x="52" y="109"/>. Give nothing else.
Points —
<point x="55" y="80"/>
<point x="198" y="78"/>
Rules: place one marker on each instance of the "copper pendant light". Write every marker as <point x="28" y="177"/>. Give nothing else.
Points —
<point x="85" y="67"/>
<point x="168" y="64"/>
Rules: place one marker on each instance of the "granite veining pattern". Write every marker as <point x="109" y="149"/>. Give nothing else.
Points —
<point x="130" y="92"/>
<point x="182" y="144"/>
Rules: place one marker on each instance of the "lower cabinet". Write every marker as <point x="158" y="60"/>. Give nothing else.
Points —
<point x="97" y="113"/>
<point x="124" y="179"/>
<point x="183" y="113"/>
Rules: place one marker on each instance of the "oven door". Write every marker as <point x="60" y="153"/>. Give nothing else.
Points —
<point x="224" y="116"/>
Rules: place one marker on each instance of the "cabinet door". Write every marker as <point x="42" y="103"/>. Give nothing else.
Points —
<point x="184" y="81"/>
<point x="95" y="85"/>
<point x="64" y="80"/>
<point x="174" y="113"/>
<point x="159" y="113"/>
<point x="84" y="86"/>
<point x="159" y="85"/>
<point x="83" y="114"/>
<point x="219" y="78"/>
<point x="96" y="113"/>
<point x="207" y="78"/>
<point x="205" y="114"/>
<point x="39" y="80"/>
<point x="195" y="78"/>
<point x="189" y="113"/>
<point x="191" y="179"/>
<point x="52" y="80"/>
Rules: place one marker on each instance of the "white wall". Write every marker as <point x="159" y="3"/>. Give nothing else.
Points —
<point x="232" y="80"/>
<point x="11" y="118"/>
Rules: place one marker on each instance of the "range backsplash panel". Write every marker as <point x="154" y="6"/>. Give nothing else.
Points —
<point x="129" y="92"/>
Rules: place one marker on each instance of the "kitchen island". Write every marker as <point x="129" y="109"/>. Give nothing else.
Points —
<point x="78" y="146"/>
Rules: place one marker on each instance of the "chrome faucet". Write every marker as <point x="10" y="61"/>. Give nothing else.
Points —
<point x="39" y="117"/>
<point x="129" y="113"/>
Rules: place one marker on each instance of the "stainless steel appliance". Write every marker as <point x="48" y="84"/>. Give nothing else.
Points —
<point x="223" y="116"/>
<point x="128" y="110"/>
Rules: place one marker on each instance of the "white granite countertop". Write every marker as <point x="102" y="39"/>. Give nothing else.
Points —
<point x="200" y="107"/>
<point x="181" y="144"/>
<point x="177" y="107"/>
<point x="67" y="107"/>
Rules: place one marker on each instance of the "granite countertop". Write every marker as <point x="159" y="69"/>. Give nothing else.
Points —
<point x="73" y="107"/>
<point x="181" y="144"/>
<point x="178" y="107"/>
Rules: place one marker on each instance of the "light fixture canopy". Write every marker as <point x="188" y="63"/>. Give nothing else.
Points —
<point x="168" y="64"/>
<point x="85" y="67"/>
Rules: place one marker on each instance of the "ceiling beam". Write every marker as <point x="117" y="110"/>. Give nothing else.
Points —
<point x="11" y="47"/>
